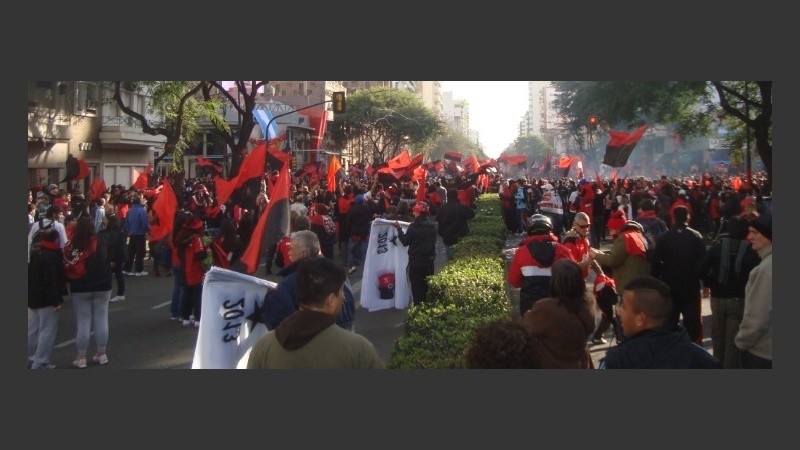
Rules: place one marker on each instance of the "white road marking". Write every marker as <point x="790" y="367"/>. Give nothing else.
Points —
<point x="69" y="342"/>
<point x="161" y="305"/>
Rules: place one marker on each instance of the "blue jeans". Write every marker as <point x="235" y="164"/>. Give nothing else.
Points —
<point x="91" y="311"/>
<point x="357" y="251"/>
<point x="177" y="291"/>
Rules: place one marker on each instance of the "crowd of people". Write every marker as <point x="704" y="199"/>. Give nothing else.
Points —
<point x="657" y="230"/>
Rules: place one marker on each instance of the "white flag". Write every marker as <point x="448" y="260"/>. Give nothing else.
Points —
<point x="225" y="337"/>
<point x="384" y="283"/>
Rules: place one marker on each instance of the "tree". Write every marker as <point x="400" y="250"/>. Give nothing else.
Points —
<point x="692" y="106"/>
<point x="533" y="146"/>
<point x="385" y="121"/>
<point x="178" y="105"/>
<point x="244" y="104"/>
<point x="453" y="140"/>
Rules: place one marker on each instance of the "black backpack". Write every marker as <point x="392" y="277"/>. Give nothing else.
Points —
<point x="38" y="237"/>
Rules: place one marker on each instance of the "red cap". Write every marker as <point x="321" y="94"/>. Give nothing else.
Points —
<point x="421" y="207"/>
<point x="386" y="285"/>
<point x="617" y="220"/>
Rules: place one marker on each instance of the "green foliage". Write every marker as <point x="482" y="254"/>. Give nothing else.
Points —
<point x="466" y="293"/>
<point x="533" y="146"/>
<point x="456" y="141"/>
<point x="388" y="120"/>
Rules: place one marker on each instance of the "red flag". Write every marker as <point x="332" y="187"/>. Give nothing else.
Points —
<point x="318" y="119"/>
<point x="165" y="206"/>
<point x="471" y="165"/>
<point x="83" y="170"/>
<point x="202" y="162"/>
<point x="565" y="161"/>
<point x="333" y="167"/>
<point x="597" y="178"/>
<point x="142" y="179"/>
<point x="97" y="188"/>
<point x="421" y="190"/>
<point x="400" y="161"/>
<point x="252" y="166"/>
<point x="613" y="175"/>
<point x="621" y="145"/>
<point x="453" y="156"/>
<point x="273" y="223"/>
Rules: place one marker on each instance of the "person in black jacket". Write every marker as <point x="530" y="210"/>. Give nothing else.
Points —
<point x="112" y="237"/>
<point x="359" y="219"/>
<point x="46" y="288"/>
<point x="675" y="260"/>
<point x="650" y="341"/>
<point x="724" y="271"/>
<point x="420" y="238"/>
<point x="453" y="220"/>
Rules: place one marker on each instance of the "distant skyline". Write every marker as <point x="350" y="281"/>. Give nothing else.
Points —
<point x="495" y="110"/>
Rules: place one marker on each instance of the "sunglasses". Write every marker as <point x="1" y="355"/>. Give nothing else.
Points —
<point x="582" y="226"/>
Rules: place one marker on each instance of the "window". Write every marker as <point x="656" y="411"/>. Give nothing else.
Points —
<point x="300" y="89"/>
<point x="86" y="97"/>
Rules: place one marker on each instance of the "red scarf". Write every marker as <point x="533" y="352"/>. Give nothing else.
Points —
<point x="647" y="214"/>
<point x="634" y="243"/>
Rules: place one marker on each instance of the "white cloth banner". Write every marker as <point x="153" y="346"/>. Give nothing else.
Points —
<point x="225" y="337"/>
<point x="384" y="283"/>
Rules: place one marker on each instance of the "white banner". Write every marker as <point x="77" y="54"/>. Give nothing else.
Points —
<point x="225" y="337"/>
<point x="384" y="283"/>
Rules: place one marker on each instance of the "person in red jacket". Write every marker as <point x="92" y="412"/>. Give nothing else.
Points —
<point x="680" y="201"/>
<point x="192" y="250"/>
<point x="531" y="266"/>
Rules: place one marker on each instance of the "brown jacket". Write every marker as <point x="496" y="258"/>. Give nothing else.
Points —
<point x="560" y="335"/>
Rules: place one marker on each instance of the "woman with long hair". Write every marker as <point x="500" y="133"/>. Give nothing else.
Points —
<point x="88" y="273"/>
<point x="561" y="323"/>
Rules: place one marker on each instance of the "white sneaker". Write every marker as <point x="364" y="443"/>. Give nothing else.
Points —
<point x="100" y="359"/>
<point x="79" y="362"/>
<point x="141" y="274"/>
<point x="118" y="298"/>
<point x="127" y="273"/>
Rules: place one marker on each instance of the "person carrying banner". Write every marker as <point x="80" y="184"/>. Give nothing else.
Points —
<point x="420" y="238"/>
<point x="308" y="338"/>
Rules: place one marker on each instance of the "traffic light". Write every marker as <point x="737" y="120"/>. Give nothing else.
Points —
<point x="338" y="102"/>
<point x="592" y="122"/>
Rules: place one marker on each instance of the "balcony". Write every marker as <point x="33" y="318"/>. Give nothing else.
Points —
<point x="47" y="125"/>
<point x="125" y="132"/>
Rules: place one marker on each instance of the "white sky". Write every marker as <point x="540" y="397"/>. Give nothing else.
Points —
<point x="495" y="110"/>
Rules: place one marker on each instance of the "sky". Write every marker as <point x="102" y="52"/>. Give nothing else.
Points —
<point x="495" y="110"/>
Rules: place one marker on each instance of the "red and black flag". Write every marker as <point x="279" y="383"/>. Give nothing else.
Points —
<point x="77" y="169"/>
<point x="565" y="163"/>
<point x="252" y="167"/>
<point x="273" y="223"/>
<point x="621" y="145"/>
<point x="453" y="156"/>
<point x="400" y="161"/>
<point x="202" y="162"/>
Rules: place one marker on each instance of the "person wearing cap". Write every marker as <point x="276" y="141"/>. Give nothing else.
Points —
<point x="681" y="200"/>
<point x="420" y="238"/>
<point x="628" y="256"/>
<point x="309" y="337"/>
<point x="192" y="250"/>
<point x="551" y="206"/>
<point x="675" y="259"/>
<point x="754" y="338"/>
<point x="530" y="269"/>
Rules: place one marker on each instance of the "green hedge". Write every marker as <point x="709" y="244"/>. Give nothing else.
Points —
<point x="468" y="292"/>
